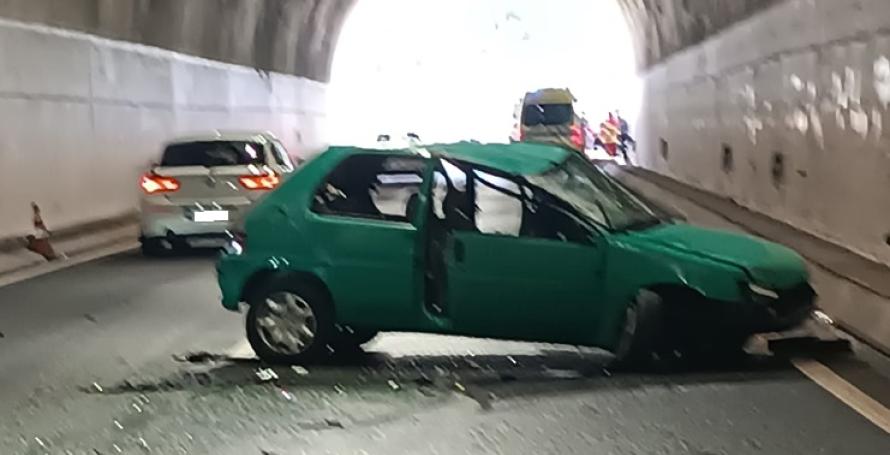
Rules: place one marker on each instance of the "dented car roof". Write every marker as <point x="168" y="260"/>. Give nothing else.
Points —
<point x="517" y="158"/>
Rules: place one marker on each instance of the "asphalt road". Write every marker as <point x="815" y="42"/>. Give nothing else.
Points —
<point x="88" y="367"/>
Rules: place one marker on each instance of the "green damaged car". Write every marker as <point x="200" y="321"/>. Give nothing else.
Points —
<point x="521" y="241"/>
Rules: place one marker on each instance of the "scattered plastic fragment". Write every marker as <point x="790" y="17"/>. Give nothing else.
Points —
<point x="266" y="374"/>
<point x="300" y="370"/>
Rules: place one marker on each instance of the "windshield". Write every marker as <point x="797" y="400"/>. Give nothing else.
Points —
<point x="547" y="114"/>
<point x="213" y="153"/>
<point x="595" y="196"/>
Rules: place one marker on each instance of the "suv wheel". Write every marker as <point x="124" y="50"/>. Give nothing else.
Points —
<point x="642" y="330"/>
<point x="290" y="322"/>
<point x="154" y="248"/>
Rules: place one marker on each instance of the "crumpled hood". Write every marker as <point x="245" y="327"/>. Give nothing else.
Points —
<point x="769" y="264"/>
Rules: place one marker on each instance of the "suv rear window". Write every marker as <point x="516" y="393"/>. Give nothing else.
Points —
<point x="213" y="153"/>
<point x="546" y="114"/>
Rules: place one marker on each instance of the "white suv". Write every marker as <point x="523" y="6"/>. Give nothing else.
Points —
<point x="202" y="183"/>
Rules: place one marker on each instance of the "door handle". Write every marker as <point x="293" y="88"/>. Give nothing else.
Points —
<point x="460" y="251"/>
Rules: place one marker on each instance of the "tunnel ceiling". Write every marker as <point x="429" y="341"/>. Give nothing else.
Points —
<point x="663" y="27"/>
<point x="299" y="36"/>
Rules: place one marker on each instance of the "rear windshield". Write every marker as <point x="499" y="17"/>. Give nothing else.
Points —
<point x="546" y="114"/>
<point x="213" y="153"/>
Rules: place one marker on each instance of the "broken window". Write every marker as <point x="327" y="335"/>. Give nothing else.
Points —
<point x="498" y="205"/>
<point x="372" y="186"/>
<point x="502" y="205"/>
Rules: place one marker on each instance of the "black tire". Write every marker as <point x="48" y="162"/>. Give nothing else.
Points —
<point x="727" y="350"/>
<point x="642" y="332"/>
<point x="352" y="340"/>
<point x="153" y="248"/>
<point x="311" y="296"/>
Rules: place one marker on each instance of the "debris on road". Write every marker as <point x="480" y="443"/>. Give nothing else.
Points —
<point x="393" y="385"/>
<point x="300" y="371"/>
<point x="198" y="357"/>
<point x="266" y="374"/>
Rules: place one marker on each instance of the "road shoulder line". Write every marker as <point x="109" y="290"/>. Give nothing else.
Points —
<point x="847" y="393"/>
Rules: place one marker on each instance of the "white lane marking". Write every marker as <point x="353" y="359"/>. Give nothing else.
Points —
<point x="241" y="350"/>
<point x="856" y="399"/>
<point x="49" y="267"/>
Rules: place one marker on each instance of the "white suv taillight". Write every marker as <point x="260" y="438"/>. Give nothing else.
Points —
<point x="154" y="184"/>
<point x="260" y="182"/>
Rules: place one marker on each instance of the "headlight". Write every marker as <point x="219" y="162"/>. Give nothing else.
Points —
<point x="762" y="291"/>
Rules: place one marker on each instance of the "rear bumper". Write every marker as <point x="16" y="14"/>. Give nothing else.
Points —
<point x="160" y="218"/>
<point x="157" y="226"/>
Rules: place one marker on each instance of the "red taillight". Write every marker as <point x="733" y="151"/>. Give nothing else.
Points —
<point x="153" y="184"/>
<point x="577" y="136"/>
<point x="260" y="182"/>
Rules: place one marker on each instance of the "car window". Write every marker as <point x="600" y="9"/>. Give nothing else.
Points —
<point x="213" y="153"/>
<point x="595" y="196"/>
<point x="281" y="155"/>
<point x="498" y="205"/>
<point x="547" y="114"/>
<point x="372" y="186"/>
<point x="504" y="205"/>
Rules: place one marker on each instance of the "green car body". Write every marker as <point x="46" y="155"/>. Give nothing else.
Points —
<point x="376" y="272"/>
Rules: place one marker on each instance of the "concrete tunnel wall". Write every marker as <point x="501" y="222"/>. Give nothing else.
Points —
<point x="784" y="112"/>
<point x="83" y="116"/>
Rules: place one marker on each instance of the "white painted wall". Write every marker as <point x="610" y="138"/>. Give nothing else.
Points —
<point x="809" y="79"/>
<point x="81" y="117"/>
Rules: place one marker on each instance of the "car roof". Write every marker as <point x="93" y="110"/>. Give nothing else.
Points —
<point x="222" y="136"/>
<point x="549" y="96"/>
<point x="522" y="158"/>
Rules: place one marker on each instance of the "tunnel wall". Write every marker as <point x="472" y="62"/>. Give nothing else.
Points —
<point x="286" y="36"/>
<point x="83" y="116"/>
<point x="785" y="113"/>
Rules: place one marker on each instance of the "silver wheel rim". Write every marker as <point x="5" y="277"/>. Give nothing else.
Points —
<point x="286" y="323"/>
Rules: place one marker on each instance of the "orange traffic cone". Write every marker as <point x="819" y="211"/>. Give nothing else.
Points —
<point x="39" y="241"/>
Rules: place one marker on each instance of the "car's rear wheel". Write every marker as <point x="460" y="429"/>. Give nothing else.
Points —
<point x="154" y="248"/>
<point x="642" y="331"/>
<point x="290" y="321"/>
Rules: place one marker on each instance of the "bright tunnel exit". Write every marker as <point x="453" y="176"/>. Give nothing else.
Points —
<point x="451" y="70"/>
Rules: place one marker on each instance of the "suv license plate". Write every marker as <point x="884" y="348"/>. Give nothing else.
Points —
<point x="211" y="216"/>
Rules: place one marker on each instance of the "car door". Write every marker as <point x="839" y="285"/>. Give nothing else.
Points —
<point x="524" y="270"/>
<point x="362" y="223"/>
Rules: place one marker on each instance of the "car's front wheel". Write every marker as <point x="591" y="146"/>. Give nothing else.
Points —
<point x="351" y="340"/>
<point x="642" y="331"/>
<point x="290" y="321"/>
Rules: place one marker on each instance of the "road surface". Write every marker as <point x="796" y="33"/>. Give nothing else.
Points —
<point x="95" y="359"/>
